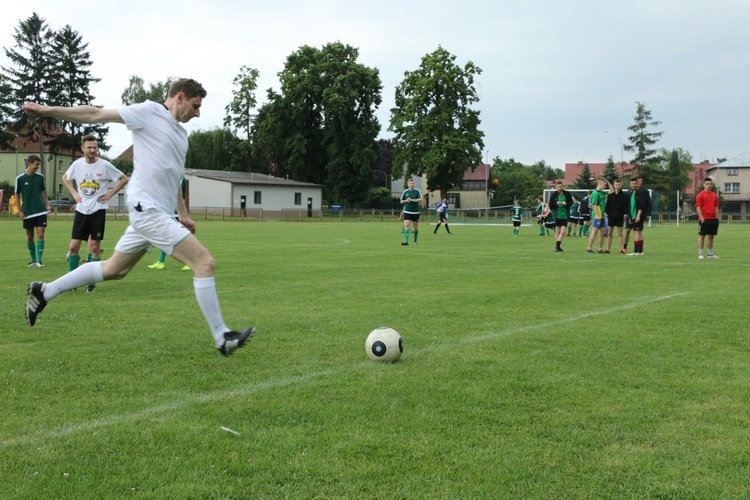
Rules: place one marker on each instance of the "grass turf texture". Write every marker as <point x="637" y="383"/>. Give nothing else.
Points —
<point x="526" y="373"/>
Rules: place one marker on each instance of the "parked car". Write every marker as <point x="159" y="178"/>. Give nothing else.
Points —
<point x="62" y="205"/>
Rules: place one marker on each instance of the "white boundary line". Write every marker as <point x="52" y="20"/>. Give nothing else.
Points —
<point x="68" y="429"/>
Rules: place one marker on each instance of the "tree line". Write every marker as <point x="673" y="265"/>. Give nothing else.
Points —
<point x="320" y="126"/>
<point x="663" y="170"/>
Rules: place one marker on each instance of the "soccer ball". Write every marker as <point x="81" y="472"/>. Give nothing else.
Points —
<point x="384" y="344"/>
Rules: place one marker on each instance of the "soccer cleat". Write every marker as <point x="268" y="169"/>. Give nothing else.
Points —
<point x="90" y="288"/>
<point x="404" y="244"/>
<point x="32" y="263"/>
<point x="623" y="250"/>
<point x="588" y="250"/>
<point x="157" y="265"/>
<point x="39" y="264"/>
<point x="700" y="256"/>
<point x="713" y="256"/>
<point x="35" y="302"/>
<point x="185" y="268"/>
<point x="558" y="250"/>
<point x="234" y="340"/>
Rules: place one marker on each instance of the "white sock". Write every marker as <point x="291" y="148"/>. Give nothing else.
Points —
<point x="208" y="300"/>
<point x="81" y="276"/>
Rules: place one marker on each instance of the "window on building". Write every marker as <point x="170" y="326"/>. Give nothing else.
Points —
<point x="731" y="187"/>
<point x="732" y="171"/>
<point x="298" y="198"/>
<point x="257" y="198"/>
<point x="60" y="166"/>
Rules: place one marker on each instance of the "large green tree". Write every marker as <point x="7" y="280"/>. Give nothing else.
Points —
<point x="215" y="149"/>
<point x="516" y="181"/>
<point x="7" y="107"/>
<point x="137" y="91"/>
<point x="74" y="67"/>
<point x="610" y="171"/>
<point x="31" y="77"/>
<point x="642" y="144"/>
<point x="322" y="127"/>
<point x="678" y="165"/>
<point x="239" y="112"/>
<point x="585" y="179"/>
<point x="436" y="130"/>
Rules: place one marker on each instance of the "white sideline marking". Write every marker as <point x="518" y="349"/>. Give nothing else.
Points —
<point x="68" y="429"/>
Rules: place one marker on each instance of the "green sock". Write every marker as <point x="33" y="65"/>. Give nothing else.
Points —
<point x="162" y="257"/>
<point x="88" y="257"/>
<point x="416" y="233"/>
<point x="73" y="261"/>
<point x="32" y="250"/>
<point x="39" y="250"/>
<point x="406" y="236"/>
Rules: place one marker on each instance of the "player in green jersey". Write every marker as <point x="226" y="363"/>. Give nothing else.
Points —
<point x="31" y="190"/>
<point x="410" y="199"/>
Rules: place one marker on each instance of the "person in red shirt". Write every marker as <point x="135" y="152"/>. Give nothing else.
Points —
<point x="707" y="206"/>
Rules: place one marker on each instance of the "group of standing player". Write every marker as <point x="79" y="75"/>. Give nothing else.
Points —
<point x="607" y="213"/>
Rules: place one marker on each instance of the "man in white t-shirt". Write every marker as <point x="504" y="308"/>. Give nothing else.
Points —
<point x="154" y="195"/>
<point x="89" y="180"/>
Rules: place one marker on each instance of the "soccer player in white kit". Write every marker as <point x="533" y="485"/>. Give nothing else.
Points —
<point x="154" y="194"/>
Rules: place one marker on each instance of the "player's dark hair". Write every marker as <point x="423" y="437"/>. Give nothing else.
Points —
<point x="87" y="138"/>
<point x="187" y="86"/>
<point x="33" y="159"/>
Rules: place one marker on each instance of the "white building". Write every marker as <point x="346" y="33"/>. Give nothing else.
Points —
<point x="251" y="192"/>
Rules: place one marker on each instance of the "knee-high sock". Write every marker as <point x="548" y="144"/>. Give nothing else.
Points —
<point x="84" y="275"/>
<point x="73" y="261"/>
<point x="39" y="250"/>
<point x="208" y="300"/>
<point x="32" y="250"/>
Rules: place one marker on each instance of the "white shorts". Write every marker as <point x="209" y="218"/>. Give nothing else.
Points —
<point x="151" y="228"/>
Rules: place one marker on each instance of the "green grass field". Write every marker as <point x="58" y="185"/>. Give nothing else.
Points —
<point x="526" y="373"/>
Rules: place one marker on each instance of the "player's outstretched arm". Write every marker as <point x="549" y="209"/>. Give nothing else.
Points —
<point x="74" y="114"/>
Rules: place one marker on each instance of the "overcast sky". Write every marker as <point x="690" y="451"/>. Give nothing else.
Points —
<point x="560" y="79"/>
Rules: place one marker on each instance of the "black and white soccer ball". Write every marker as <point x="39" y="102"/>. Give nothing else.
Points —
<point x="384" y="344"/>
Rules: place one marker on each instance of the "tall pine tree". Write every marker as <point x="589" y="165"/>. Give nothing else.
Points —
<point x="642" y="142"/>
<point x="31" y="77"/>
<point x="73" y="63"/>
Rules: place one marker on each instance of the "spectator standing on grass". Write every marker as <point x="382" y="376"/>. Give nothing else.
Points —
<point x="616" y="206"/>
<point x="597" y="204"/>
<point x="707" y="206"/>
<point x="410" y="199"/>
<point x="639" y="204"/>
<point x="575" y="215"/>
<point x="442" y="210"/>
<point x="89" y="180"/>
<point x="549" y="220"/>
<point x="154" y="194"/>
<point x="628" y="219"/>
<point x="585" y="212"/>
<point x="540" y="215"/>
<point x="559" y="205"/>
<point x="33" y="206"/>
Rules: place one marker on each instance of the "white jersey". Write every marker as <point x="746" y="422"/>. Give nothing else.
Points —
<point x="92" y="180"/>
<point x="160" y="145"/>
